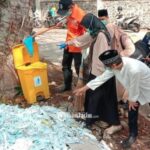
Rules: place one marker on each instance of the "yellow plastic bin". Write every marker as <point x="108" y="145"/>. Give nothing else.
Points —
<point x="32" y="73"/>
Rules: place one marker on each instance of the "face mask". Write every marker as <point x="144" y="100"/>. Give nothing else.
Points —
<point x="68" y="12"/>
<point x="89" y="31"/>
<point x="107" y="68"/>
<point x="104" y="22"/>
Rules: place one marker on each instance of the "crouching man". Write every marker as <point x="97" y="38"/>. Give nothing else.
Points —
<point x="134" y="76"/>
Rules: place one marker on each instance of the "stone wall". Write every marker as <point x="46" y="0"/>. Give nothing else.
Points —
<point x="140" y="8"/>
<point x="86" y="5"/>
<point x="130" y="7"/>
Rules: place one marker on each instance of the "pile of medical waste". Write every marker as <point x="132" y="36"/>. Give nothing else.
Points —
<point x="38" y="128"/>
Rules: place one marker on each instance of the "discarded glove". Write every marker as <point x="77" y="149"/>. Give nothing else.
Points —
<point x="62" y="45"/>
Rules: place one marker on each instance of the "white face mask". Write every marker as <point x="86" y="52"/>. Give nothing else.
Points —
<point x="68" y="13"/>
<point x="107" y="68"/>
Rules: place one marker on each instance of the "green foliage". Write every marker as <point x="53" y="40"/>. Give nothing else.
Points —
<point x="19" y="91"/>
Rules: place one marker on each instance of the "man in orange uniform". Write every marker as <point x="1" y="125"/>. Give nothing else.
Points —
<point x="74" y="29"/>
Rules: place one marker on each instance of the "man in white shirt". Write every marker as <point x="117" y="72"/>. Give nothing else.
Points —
<point x="134" y="76"/>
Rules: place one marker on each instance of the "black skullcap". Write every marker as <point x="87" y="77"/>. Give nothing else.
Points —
<point x="102" y="12"/>
<point x="109" y="57"/>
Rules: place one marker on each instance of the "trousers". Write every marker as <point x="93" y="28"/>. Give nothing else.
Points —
<point x="133" y="121"/>
<point x="68" y="58"/>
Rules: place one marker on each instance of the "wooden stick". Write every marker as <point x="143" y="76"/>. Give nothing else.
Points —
<point x="56" y="26"/>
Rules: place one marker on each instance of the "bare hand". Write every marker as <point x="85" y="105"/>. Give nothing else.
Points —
<point x="80" y="91"/>
<point x="132" y="105"/>
<point x="147" y="59"/>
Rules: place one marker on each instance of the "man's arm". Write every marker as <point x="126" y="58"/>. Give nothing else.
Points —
<point x="83" y="41"/>
<point x="134" y="85"/>
<point x="99" y="80"/>
<point x="134" y="91"/>
<point x="93" y="84"/>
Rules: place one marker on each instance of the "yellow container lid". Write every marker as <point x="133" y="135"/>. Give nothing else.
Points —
<point x="21" y="56"/>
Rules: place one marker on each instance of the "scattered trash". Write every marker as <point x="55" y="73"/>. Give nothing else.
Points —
<point x="38" y="127"/>
<point x="70" y="98"/>
<point x="103" y="146"/>
<point x="52" y="83"/>
<point x="21" y="144"/>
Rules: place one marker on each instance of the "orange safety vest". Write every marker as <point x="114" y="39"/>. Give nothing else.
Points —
<point x="74" y="29"/>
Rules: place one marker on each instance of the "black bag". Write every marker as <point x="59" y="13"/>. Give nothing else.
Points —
<point x="141" y="50"/>
<point x="142" y="47"/>
<point x="146" y="40"/>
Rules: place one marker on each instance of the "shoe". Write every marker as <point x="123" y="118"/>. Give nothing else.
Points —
<point x="128" y="142"/>
<point x="113" y="129"/>
<point x="63" y="88"/>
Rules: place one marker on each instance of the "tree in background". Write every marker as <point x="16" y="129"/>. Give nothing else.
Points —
<point x="15" y="24"/>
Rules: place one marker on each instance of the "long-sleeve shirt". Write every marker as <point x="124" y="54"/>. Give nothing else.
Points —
<point x="134" y="76"/>
<point x="101" y="45"/>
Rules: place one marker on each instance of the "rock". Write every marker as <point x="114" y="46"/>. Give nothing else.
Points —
<point x="19" y="100"/>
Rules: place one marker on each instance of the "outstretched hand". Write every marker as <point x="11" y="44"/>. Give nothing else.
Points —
<point x="80" y="91"/>
<point x="133" y="105"/>
<point x="62" y="45"/>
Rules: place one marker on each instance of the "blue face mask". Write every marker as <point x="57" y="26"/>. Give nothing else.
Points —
<point x="104" y="22"/>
